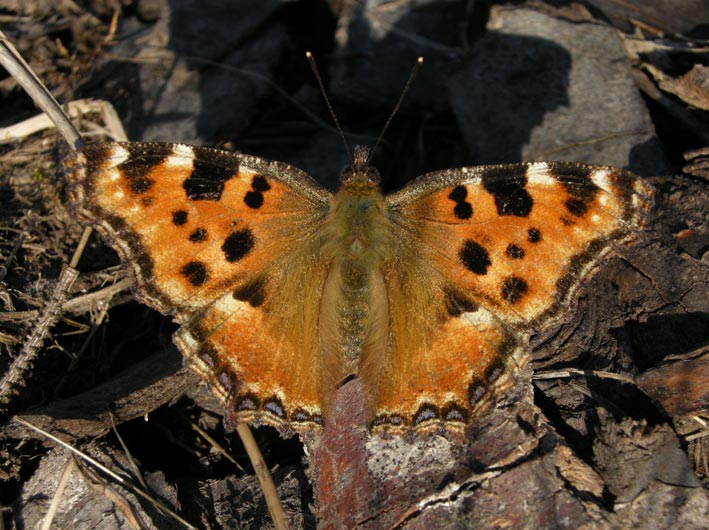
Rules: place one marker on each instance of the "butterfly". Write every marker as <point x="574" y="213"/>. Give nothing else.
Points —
<point x="284" y="290"/>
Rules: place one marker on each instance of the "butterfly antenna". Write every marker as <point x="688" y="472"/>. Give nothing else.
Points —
<point x="314" y="68"/>
<point x="413" y="73"/>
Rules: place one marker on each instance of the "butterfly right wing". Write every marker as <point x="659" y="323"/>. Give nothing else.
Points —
<point x="486" y="255"/>
<point x="229" y="245"/>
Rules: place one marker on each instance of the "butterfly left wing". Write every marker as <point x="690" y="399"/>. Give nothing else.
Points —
<point x="487" y="254"/>
<point x="225" y="243"/>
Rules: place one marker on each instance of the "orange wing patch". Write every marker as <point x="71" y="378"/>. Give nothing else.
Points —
<point x="520" y="239"/>
<point x="472" y="359"/>
<point x="499" y="251"/>
<point x="262" y="377"/>
<point x="190" y="227"/>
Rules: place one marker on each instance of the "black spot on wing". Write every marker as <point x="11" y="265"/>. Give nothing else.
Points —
<point x="138" y="166"/>
<point x="179" y="217"/>
<point x="474" y="257"/>
<point x="253" y="293"/>
<point x="211" y="169"/>
<point x="581" y="189"/>
<point x="254" y="197"/>
<point x="458" y="194"/>
<point x="576" y="207"/>
<point x="513" y="289"/>
<point x="509" y="191"/>
<point x="457" y="304"/>
<point x="534" y="235"/>
<point x="238" y="244"/>
<point x="514" y="251"/>
<point x="195" y="272"/>
<point x="259" y="183"/>
<point x="579" y="185"/>
<point x="462" y="209"/>
<point x="198" y="235"/>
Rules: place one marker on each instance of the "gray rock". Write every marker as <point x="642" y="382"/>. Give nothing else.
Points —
<point x="540" y="88"/>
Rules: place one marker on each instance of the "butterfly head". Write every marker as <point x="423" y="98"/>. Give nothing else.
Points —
<point x="360" y="175"/>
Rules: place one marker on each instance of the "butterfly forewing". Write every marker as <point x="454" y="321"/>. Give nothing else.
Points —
<point x="520" y="238"/>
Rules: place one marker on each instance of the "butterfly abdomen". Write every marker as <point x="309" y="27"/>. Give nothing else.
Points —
<point x="354" y="312"/>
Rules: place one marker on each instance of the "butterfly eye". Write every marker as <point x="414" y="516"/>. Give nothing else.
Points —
<point x="367" y="175"/>
<point x="347" y="174"/>
<point x="373" y="175"/>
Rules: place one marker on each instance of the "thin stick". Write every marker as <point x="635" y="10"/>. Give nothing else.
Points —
<point x="407" y="86"/>
<point x="57" y="497"/>
<point x="131" y="462"/>
<point x="28" y="80"/>
<point x="264" y="477"/>
<point x="101" y="486"/>
<point x="314" y="68"/>
<point x="575" y="372"/>
<point x="204" y="434"/>
<point x="14" y="379"/>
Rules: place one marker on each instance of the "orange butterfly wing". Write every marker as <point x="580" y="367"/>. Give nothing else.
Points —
<point x="221" y="241"/>
<point x="487" y="255"/>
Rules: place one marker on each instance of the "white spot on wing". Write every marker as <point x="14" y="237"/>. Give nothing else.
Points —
<point x="183" y="150"/>
<point x="229" y="305"/>
<point x="117" y="156"/>
<point x="539" y="173"/>
<point x="182" y="157"/>
<point x="600" y="177"/>
<point x="481" y="318"/>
